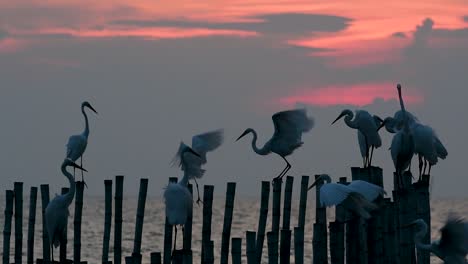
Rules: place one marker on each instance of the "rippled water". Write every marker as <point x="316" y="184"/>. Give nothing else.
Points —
<point x="246" y="212"/>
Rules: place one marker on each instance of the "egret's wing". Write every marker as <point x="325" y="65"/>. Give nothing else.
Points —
<point x="291" y="124"/>
<point x="440" y="148"/>
<point x="333" y="193"/>
<point x="209" y="141"/>
<point x="75" y="147"/>
<point x="177" y="160"/>
<point x="362" y="143"/>
<point x="453" y="236"/>
<point x="368" y="190"/>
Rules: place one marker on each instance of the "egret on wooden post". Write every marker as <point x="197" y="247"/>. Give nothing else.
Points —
<point x="177" y="196"/>
<point x="56" y="212"/>
<point x="358" y="196"/>
<point x="76" y="145"/>
<point x="289" y="127"/>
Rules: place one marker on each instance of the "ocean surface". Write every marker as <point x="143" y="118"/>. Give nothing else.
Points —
<point x="246" y="213"/>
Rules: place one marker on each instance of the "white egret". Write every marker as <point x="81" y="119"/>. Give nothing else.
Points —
<point x="177" y="197"/>
<point x="201" y="144"/>
<point x="56" y="212"/>
<point x="362" y="140"/>
<point x="428" y="147"/>
<point x="358" y="196"/>
<point x="76" y="145"/>
<point x="365" y="123"/>
<point x="452" y="247"/>
<point x="289" y="127"/>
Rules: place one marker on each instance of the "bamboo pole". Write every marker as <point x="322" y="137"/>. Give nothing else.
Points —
<point x="319" y="241"/>
<point x="285" y="249"/>
<point x="18" y="189"/>
<point x="107" y="220"/>
<point x="168" y="234"/>
<point x="287" y="202"/>
<point x="45" y="238"/>
<point x="9" y="199"/>
<point x="118" y="219"/>
<point x="155" y="258"/>
<point x="77" y="222"/>
<point x="250" y="248"/>
<point x="340" y="219"/>
<point x="236" y="250"/>
<point x="299" y="235"/>
<point x="64" y="240"/>
<point x="298" y="245"/>
<point x="140" y="216"/>
<point x="187" y="243"/>
<point x="272" y="238"/>
<point x="276" y="211"/>
<point x="228" y="211"/>
<point x="31" y="224"/>
<point x="265" y="197"/>
<point x="207" y="215"/>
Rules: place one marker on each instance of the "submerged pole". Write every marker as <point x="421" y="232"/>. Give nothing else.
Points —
<point x="31" y="225"/>
<point x="107" y="219"/>
<point x="264" y="200"/>
<point x="18" y="188"/>
<point x="118" y="219"/>
<point x="228" y="211"/>
<point x="77" y="222"/>
<point x="9" y="199"/>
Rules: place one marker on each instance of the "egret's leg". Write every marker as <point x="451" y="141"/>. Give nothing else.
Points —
<point x="282" y="172"/>
<point x="198" y="191"/>
<point x="420" y="165"/>
<point x="367" y="152"/>
<point x="82" y="177"/>
<point x="288" y="166"/>
<point x="371" y="154"/>
<point x="424" y="170"/>
<point x="175" y="238"/>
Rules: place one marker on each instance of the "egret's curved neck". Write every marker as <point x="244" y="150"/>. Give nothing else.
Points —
<point x="68" y="197"/>
<point x="349" y="120"/>
<point x="86" y="131"/>
<point x="403" y="110"/>
<point x="262" y="151"/>
<point x="184" y="179"/>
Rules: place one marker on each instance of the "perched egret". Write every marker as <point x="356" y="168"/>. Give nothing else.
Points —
<point x="56" y="212"/>
<point x="452" y="247"/>
<point x="362" y="141"/>
<point x="366" y="124"/>
<point x="177" y="196"/>
<point x="358" y="196"/>
<point x="289" y="127"/>
<point x="77" y="143"/>
<point x="428" y="147"/>
<point x="201" y="144"/>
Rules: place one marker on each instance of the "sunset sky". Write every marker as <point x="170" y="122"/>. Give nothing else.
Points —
<point x="159" y="72"/>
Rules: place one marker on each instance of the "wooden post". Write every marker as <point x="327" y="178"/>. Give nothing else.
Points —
<point x="272" y="238"/>
<point x="207" y="214"/>
<point x="209" y="252"/>
<point x="31" y="224"/>
<point x="228" y="211"/>
<point x="404" y="199"/>
<point x="136" y="258"/>
<point x="265" y="198"/>
<point x="155" y="258"/>
<point x="45" y="238"/>
<point x="77" y="222"/>
<point x="285" y="250"/>
<point x="168" y="235"/>
<point x="298" y="245"/>
<point x="177" y="257"/>
<point x="287" y="202"/>
<point x="128" y="260"/>
<point x="140" y="216"/>
<point x="299" y="235"/>
<point x="64" y="240"/>
<point x="319" y="241"/>
<point x="236" y="250"/>
<point x="107" y="220"/>
<point x="423" y="208"/>
<point x="276" y="214"/>
<point x="118" y="219"/>
<point x="7" y="227"/>
<point x="334" y="250"/>
<point x="18" y="189"/>
<point x="362" y="241"/>
<point x="339" y="227"/>
<point x="187" y="243"/>
<point x="250" y="248"/>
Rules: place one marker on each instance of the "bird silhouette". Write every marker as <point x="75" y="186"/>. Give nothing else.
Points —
<point x="362" y="141"/>
<point x="289" y="126"/>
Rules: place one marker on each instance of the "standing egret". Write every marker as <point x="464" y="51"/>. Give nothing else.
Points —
<point x="365" y="123"/>
<point x="362" y="140"/>
<point x="428" y="147"/>
<point x="177" y="196"/>
<point x="289" y="126"/>
<point x="452" y="247"/>
<point x="356" y="196"/>
<point x="76" y="145"/>
<point x="201" y="144"/>
<point x="56" y="212"/>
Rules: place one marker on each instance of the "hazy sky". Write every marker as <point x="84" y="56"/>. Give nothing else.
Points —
<point x="159" y="72"/>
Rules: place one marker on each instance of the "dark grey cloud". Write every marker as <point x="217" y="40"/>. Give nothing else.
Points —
<point x="399" y="35"/>
<point x="286" y="23"/>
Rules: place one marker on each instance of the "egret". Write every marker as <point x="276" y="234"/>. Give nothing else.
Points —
<point x="358" y="196"/>
<point x="56" y="212"/>
<point x="364" y="123"/>
<point x="452" y="247"/>
<point x="177" y="196"/>
<point x="201" y="144"/>
<point x="76" y="145"/>
<point x="362" y="140"/>
<point x="289" y="126"/>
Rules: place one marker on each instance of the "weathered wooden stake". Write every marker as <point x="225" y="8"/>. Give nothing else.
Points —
<point x="168" y="235"/>
<point x="31" y="224"/>
<point x="118" y="219"/>
<point x="18" y="189"/>
<point x="9" y="199"/>
<point x="423" y="208"/>
<point x="64" y="240"/>
<point x="287" y="202"/>
<point x="236" y="250"/>
<point x="209" y="252"/>
<point x="77" y="222"/>
<point x="272" y="238"/>
<point x="45" y="238"/>
<point x="228" y="211"/>
<point x="298" y="245"/>
<point x="299" y="235"/>
<point x="265" y="198"/>
<point x="319" y="241"/>
<point x="187" y="243"/>
<point x="155" y="258"/>
<point x="335" y="252"/>
<point x="285" y="249"/>
<point x="250" y="248"/>
<point x="207" y="214"/>
<point x="107" y="220"/>
<point x="276" y="211"/>
<point x="140" y="216"/>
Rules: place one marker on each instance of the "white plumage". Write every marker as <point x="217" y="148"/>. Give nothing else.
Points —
<point x="362" y="140"/>
<point x="289" y="126"/>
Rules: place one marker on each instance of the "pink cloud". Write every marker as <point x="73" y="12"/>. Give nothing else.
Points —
<point x="358" y="95"/>
<point x="11" y="45"/>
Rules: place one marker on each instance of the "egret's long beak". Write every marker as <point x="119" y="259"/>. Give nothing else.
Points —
<point x="92" y="109"/>
<point x="313" y="184"/>
<point x="73" y="164"/>
<point x="338" y="118"/>
<point x="378" y="118"/>
<point x="243" y="134"/>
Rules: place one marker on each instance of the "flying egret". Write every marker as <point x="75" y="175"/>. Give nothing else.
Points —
<point x="289" y="127"/>
<point x="76" y="145"/>
<point x="365" y="123"/>
<point x="358" y="196"/>
<point x="177" y="196"/>
<point x="362" y="140"/>
<point x="201" y="144"/>
<point x="452" y="247"/>
<point x="56" y="212"/>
